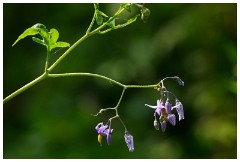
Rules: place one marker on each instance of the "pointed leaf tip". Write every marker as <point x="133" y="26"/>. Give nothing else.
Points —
<point x="35" y="29"/>
<point x="27" y="32"/>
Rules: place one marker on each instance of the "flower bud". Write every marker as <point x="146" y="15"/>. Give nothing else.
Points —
<point x="156" y="124"/>
<point x="129" y="141"/>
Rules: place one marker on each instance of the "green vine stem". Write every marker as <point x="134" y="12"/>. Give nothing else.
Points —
<point x="47" y="75"/>
<point x="47" y="60"/>
<point x="24" y="88"/>
<point x="102" y="77"/>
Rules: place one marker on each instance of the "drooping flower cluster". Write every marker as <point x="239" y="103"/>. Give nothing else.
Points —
<point x="163" y="114"/>
<point x="105" y="130"/>
<point x="163" y="110"/>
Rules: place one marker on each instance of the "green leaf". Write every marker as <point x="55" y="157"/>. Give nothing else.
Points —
<point x="59" y="44"/>
<point x="54" y="35"/>
<point x="99" y="18"/>
<point x="44" y="34"/>
<point x="37" y="40"/>
<point x="28" y="32"/>
<point x="62" y="44"/>
<point x="127" y="6"/>
<point x="49" y="39"/>
<point x="35" y="29"/>
<point x="103" y="14"/>
<point x="112" y="23"/>
<point x="127" y="23"/>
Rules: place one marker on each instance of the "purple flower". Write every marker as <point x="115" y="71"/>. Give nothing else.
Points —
<point x="129" y="141"/>
<point x="164" y="112"/>
<point x="103" y="131"/>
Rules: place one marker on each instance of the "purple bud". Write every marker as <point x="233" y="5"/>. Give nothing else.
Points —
<point x="129" y="141"/>
<point x="163" y="126"/>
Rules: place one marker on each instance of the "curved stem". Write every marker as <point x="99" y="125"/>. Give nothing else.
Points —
<point x="86" y="74"/>
<point x="47" y="60"/>
<point x="120" y="99"/>
<point x="46" y="75"/>
<point x="32" y="83"/>
<point x="101" y="77"/>
<point x="123" y="124"/>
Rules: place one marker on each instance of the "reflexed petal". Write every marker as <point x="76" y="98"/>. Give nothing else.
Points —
<point x="163" y="126"/>
<point x="158" y="111"/>
<point x="129" y="141"/>
<point x="179" y="109"/>
<point x="103" y="128"/>
<point x="107" y="131"/>
<point x="172" y="119"/>
<point x="156" y="124"/>
<point x="154" y="107"/>
<point x="109" y="139"/>
<point x="168" y="106"/>
<point x="98" y="126"/>
<point x="159" y="103"/>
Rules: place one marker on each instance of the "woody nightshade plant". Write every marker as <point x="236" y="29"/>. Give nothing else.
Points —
<point x="105" y="23"/>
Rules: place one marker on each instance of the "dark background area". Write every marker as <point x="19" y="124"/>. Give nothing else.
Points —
<point x="197" y="42"/>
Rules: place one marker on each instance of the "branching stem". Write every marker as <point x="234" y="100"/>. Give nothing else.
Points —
<point x="24" y="88"/>
<point x="47" y="70"/>
<point x="47" y="60"/>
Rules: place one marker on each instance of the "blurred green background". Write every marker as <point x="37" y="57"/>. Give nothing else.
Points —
<point x="197" y="42"/>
